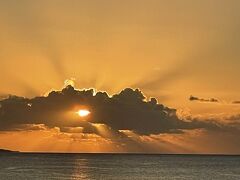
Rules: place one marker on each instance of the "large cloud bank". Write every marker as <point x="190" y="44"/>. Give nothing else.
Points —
<point x="128" y="110"/>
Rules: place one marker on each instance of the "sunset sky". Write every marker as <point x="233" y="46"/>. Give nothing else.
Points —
<point x="186" y="54"/>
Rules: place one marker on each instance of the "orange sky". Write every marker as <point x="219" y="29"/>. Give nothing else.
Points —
<point x="168" y="49"/>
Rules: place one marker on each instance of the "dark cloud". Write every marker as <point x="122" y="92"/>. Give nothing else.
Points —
<point x="128" y="110"/>
<point x="194" y="98"/>
<point x="236" y="102"/>
<point x="221" y="123"/>
<point x="3" y="96"/>
<point x="211" y="100"/>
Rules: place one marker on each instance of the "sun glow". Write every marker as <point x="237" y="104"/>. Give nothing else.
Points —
<point x="83" y="112"/>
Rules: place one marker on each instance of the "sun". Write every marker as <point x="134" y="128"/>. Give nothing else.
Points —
<point x="83" y="112"/>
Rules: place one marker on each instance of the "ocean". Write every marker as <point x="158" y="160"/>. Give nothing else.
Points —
<point x="24" y="166"/>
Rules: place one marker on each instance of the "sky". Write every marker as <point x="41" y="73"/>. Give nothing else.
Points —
<point x="185" y="54"/>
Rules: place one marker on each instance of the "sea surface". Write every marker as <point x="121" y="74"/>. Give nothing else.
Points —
<point x="24" y="166"/>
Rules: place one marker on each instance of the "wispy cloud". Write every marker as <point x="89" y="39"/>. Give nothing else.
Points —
<point x="210" y="100"/>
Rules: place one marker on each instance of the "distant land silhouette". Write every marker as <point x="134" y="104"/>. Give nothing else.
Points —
<point x="7" y="151"/>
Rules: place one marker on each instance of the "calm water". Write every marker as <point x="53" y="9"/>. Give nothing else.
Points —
<point x="107" y="166"/>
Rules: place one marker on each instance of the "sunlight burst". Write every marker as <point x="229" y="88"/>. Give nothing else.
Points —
<point x="83" y="112"/>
